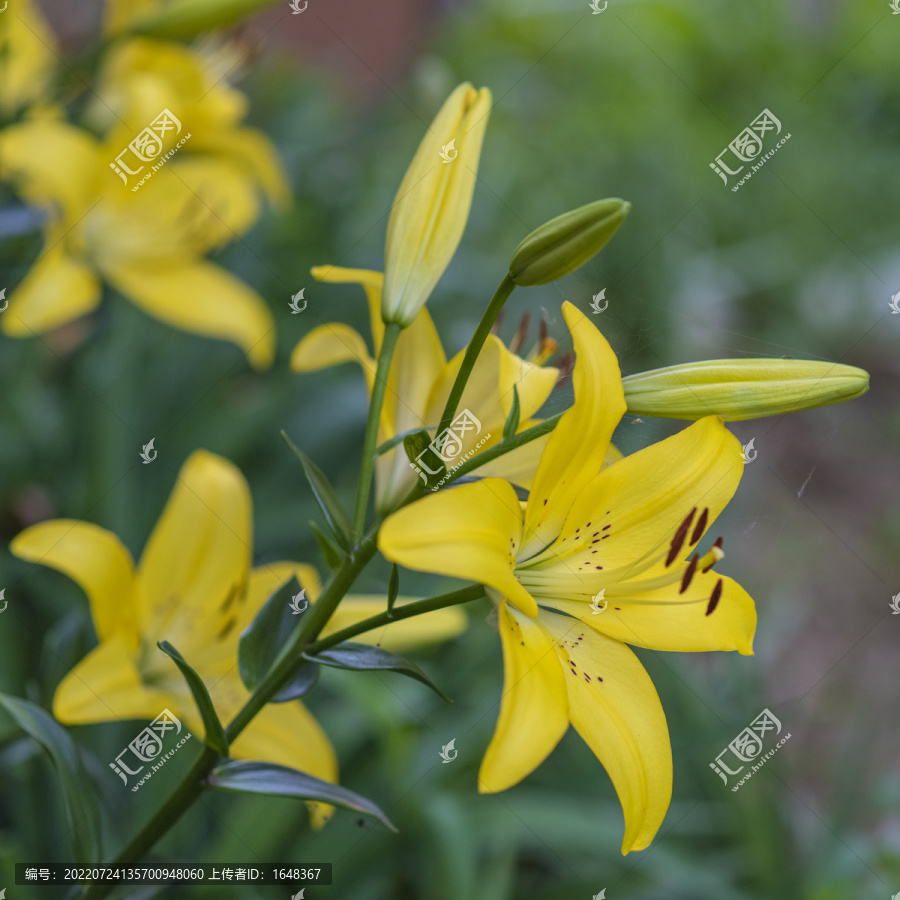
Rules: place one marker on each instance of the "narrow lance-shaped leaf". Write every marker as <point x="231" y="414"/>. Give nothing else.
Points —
<point x="512" y="420"/>
<point x="215" y="733"/>
<point x="393" y="588"/>
<point x="81" y="807"/>
<point x="264" y="637"/>
<point x="337" y="519"/>
<point x="364" y="657"/>
<point x="330" y="550"/>
<point x="280" y="781"/>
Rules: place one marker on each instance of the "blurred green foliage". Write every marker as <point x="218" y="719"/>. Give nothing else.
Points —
<point x="634" y="103"/>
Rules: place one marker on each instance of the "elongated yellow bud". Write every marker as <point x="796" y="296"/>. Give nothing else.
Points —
<point x="431" y="208"/>
<point x="741" y="388"/>
<point x="567" y="242"/>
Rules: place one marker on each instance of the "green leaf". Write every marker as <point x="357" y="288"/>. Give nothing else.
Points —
<point x="389" y="444"/>
<point x="337" y="519"/>
<point x="264" y="637"/>
<point x="415" y="443"/>
<point x="81" y="808"/>
<point x="393" y="587"/>
<point x="215" y="734"/>
<point x="300" y="683"/>
<point x="330" y="551"/>
<point x="512" y="420"/>
<point x="280" y="781"/>
<point x="364" y="657"/>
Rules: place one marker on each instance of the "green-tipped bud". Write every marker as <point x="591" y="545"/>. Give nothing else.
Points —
<point x="567" y="242"/>
<point x="187" y="18"/>
<point x="739" y="389"/>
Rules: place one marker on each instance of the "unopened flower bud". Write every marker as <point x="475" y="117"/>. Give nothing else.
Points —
<point x="739" y="389"/>
<point x="567" y="242"/>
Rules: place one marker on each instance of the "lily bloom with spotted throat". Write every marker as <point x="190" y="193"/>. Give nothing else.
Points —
<point x="619" y="538"/>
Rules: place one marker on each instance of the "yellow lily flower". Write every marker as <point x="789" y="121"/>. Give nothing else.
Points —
<point x="196" y="588"/>
<point x="432" y="206"/>
<point x="27" y="57"/>
<point x="141" y="77"/>
<point x="419" y="383"/>
<point x="149" y="244"/>
<point x="594" y="561"/>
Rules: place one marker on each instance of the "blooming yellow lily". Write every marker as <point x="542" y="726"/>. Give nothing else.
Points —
<point x="149" y="244"/>
<point x="194" y="587"/>
<point x="141" y="77"/>
<point x="596" y="560"/>
<point x="432" y="205"/>
<point x="419" y="383"/>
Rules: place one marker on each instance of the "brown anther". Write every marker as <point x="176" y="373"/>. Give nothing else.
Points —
<point x="679" y="538"/>
<point x="688" y="576"/>
<point x="700" y="527"/>
<point x="495" y="328"/>
<point x="715" y="597"/>
<point x="519" y="337"/>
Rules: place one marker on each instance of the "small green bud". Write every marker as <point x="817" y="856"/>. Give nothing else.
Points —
<point x="739" y="389"/>
<point x="567" y="242"/>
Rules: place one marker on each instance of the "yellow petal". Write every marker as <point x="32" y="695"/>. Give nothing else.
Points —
<point x="330" y="345"/>
<point x="431" y="628"/>
<point x="201" y="298"/>
<point x="469" y="532"/>
<point x="57" y="289"/>
<point x="27" y="55"/>
<point x="489" y="390"/>
<point x="645" y="498"/>
<point x="106" y="686"/>
<point x="432" y="205"/>
<point x="519" y="465"/>
<point x="190" y="205"/>
<point x="578" y="445"/>
<point x="287" y="734"/>
<point x="371" y="282"/>
<point x="533" y="709"/>
<point x="96" y="561"/>
<point x="197" y="559"/>
<point x="52" y="162"/>
<point x="621" y="720"/>
<point x="255" y="152"/>
<point x="663" y="619"/>
<point x="418" y="359"/>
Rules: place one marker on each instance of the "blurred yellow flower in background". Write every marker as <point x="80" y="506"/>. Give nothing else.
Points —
<point x="196" y="588"/>
<point x="148" y="241"/>
<point x="420" y="380"/>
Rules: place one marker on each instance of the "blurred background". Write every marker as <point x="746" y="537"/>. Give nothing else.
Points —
<point x="635" y="102"/>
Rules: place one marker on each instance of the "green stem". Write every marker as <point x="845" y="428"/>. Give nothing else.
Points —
<point x="504" y="447"/>
<point x="501" y="295"/>
<point x="416" y="608"/>
<point x="284" y="666"/>
<point x="386" y="354"/>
